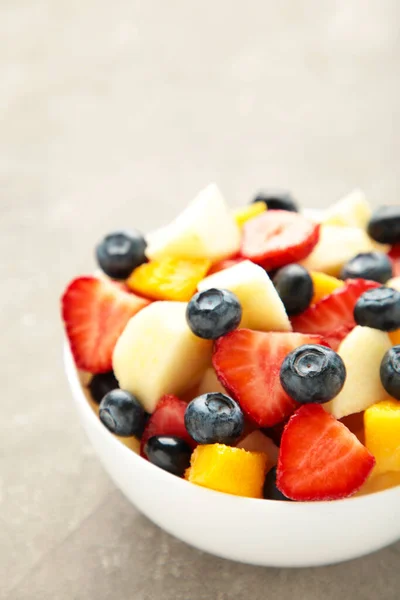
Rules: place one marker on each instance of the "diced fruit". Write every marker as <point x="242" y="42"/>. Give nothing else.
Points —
<point x="394" y="255"/>
<point x="336" y="246"/>
<point x="295" y="288"/>
<point x="362" y="352"/>
<point x="355" y="423"/>
<point x="210" y="383"/>
<point x="256" y="441"/>
<point x="379" y="308"/>
<point x="248" y="364"/>
<point x="384" y="225"/>
<point x="332" y="317"/>
<point x="270" y="491"/>
<point x="277" y="200"/>
<point x="169" y="278"/>
<point x="214" y="418"/>
<point x="120" y="252"/>
<point x="245" y="213"/>
<point x="157" y="354"/>
<point x="324" y="285"/>
<point x="221" y="265"/>
<point x="278" y="237"/>
<point x="213" y="313"/>
<point x="312" y="373"/>
<point x="205" y="229"/>
<point x="379" y="482"/>
<point x="101" y="384"/>
<point x="351" y="211"/>
<point x="394" y="283"/>
<point x="122" y="413"/>
<point x="382" y="435"/>
<point x="394" y="337"/>
<point x="262" y="308"/>
<point x="375" y="266"/>
<point x="230" y="470"/>
<point x="320" y="459"/>
<point x="95" y="312"/>
<point x="390" y="372"/>
<point x="168" y="419"/>
<point x="170" y="453"/>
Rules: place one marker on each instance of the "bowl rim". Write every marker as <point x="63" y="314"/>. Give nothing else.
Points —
<point x="81" y="401"/>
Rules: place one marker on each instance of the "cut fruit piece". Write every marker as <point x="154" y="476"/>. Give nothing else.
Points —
<point x="351" y="211"/>
<point x="394" y="283"/>
<point x="158" y="354"/>
<point x="229" y="470"/>
<point x="320" y="459"/>
<point x="355" y="423"/>
<point x="380" y="482"/>
<point x="324" y="285"/>
<point x="210" y="383"/>
<point x="258" y="442"/>
<point x="394" y="255"/>
<point x="382" y="434"/>
<point x="95" y="312"/>
<point x="248" y="365"/>
<point x="362" y="352"/>
<point x="395" y="337"/>
<point x="246" y="213"/>
<point x="278" y="237"/>
<point x="169" y="278"/>
<point x="262" y="308"/>
<point x="336" y="246"/>
<point x="332" y="317"/>
<point x="167" y="419"/>
<point x="205" y="229"/>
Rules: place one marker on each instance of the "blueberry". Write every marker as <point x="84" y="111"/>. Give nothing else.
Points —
<point x="378" y="308"/>
<point x="169" y="453"/>
<point x="213" y="313"/>
<point x="295" y="288"/>
<point x="390" y="372"/>
<point x="384" y="226"/>
<point x="277" y="200"/>
<point x="271" y="492"/>
<point x="119" y="253"/>
<point x="214" y="418"/>
<point x="312" y="373"/>
<point x="375" y="266"/>
<point x="122" y="413"/>
<point x="101" y="384"/>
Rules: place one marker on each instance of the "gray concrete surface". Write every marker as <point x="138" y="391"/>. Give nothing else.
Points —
<point x="118" y="112"/>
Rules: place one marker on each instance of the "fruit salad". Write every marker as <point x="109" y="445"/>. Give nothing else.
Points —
<point x="255" y="351"/>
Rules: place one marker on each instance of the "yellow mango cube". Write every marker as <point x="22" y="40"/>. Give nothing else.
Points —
<point x="382" y="434"/>
<point x="324" y="285"/>
<point x="245" y="213"/>
<point x="380" y="482"/>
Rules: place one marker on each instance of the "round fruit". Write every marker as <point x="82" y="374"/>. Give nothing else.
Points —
<point x="379" y="308"/>
<point x="375" y="266"/>
<point x="213" y="313"/>
<point x="271" y="492"/>
<point x="384" y="226"/>
<point x="295" y="288"/>
<point x="122" y="413"/>
<point x="390" y="372"/>
<point x="214" y="418"/>
<point x="312" y="373"/>
<point x="119" y="253"/>
<point x="169" y="452"/>
<point x="101" y="384"/>
<point x="277" y="200"/>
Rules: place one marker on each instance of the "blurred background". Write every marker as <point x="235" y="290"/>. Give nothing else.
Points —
<point x="117" y="114"/>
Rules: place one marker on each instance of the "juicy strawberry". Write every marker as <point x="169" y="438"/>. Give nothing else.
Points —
<point x="167" y="419"/>
<point x="248" y="365"/>
<point x="278" y="237"/>
<point x="332" y="317"/>
<point x="95" y="312"/>
<point x="394" y="255"/>
<point x="319" y="458"/>
<point x="221" y="265"/>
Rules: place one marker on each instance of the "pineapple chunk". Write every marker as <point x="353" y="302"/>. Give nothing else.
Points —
<point x="351" y="211"/>
<point x="382" y="435"/>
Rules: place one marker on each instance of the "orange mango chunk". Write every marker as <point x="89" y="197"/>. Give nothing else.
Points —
<point x="382" y="434"/>
<point x="324" y="285"/>
<point x="230" y="470"/>
<point x="245" y="213"/>
<point x="173" y="279"/>
<point x="378" y="483"/>
<point x="395" y="337"/>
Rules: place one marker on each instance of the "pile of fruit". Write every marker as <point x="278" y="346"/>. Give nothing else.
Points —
<point x="255" y="352"/>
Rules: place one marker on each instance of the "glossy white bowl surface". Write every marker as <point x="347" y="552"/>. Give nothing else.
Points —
<point x="259" y="532"/>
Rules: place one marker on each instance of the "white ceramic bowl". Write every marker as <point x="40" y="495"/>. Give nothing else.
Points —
<point x="260" y="532"/>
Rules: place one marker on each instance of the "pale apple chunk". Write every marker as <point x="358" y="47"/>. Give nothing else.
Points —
<point x="351" y="211"/>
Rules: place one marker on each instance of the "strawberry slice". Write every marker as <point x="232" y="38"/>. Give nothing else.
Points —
<point x="167" y="419"/>
<point x="95" y="313"/>
<point x="332" y="317"/>
<point x="319" y="458"/>
<point x="221" y="265"/>
<point x="278" y="237"/>
<point x="394" y="255"/>
<point x="248" y="364"/>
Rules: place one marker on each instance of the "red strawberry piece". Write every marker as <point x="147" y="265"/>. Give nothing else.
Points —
<point x="167" y="419"/>
<point x="221" y="265"/>
<point x="95" y="313"/>
<point x="332" y="317"/>
<point x="248" y="365"/>
<point x="394" y="255"/>
<point x="319" y="458"/>
<point x="278" y="237"/>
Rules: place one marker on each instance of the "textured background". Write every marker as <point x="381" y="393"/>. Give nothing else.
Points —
<point x="118" y="113"/>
